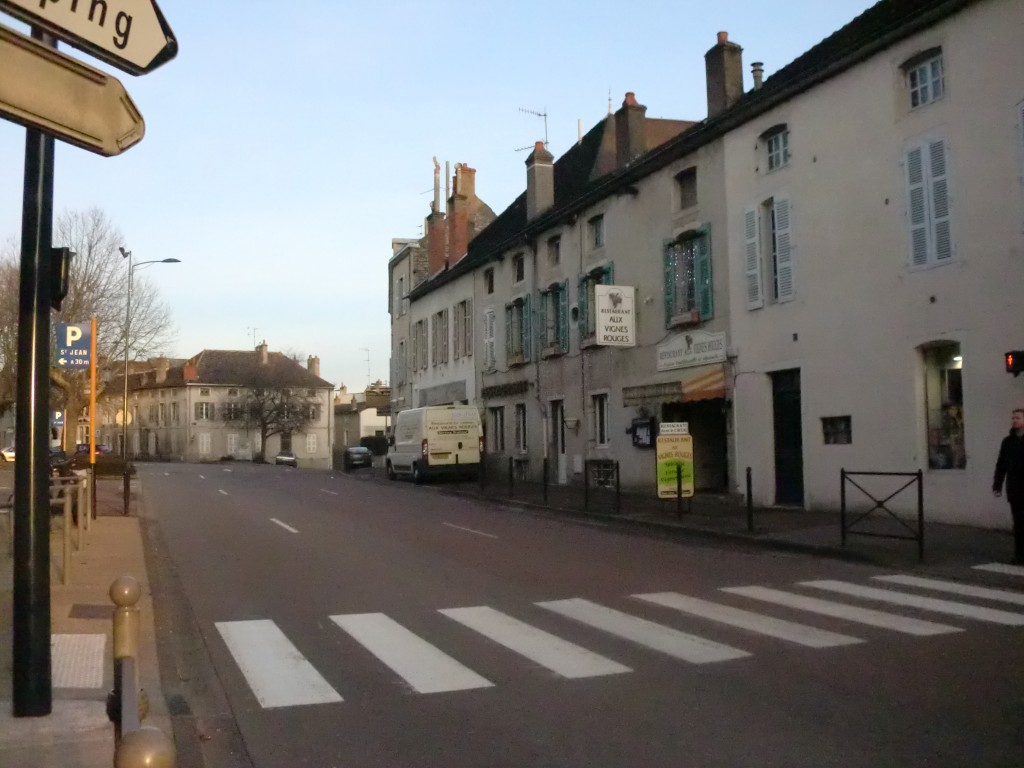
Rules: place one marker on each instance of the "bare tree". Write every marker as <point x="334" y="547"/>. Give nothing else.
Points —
<point x="273" y="410"/>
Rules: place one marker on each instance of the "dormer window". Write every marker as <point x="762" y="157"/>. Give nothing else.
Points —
<point x="686" y="182"/>
<point x="776" y="141"/>
<point x="926" y="80"/>
<point x="518" y="268"/>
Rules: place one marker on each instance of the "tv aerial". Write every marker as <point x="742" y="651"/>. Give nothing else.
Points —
<point x="535" y="113"/>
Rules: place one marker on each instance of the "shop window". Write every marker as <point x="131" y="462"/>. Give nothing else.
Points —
<point x="944" y="404"/>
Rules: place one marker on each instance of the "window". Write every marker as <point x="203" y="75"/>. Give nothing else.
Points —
<point x="204" y="443"/>
<point x="232" y="411"/>
<point x="311" y="444"/>
<point x="517" y="331"/>
<point x="419" y="345"/>
<point x="232" y="444"/>
<point x="204" y="411"/>
<point x="497" y="425"/>
<point x="163" y="414"/>
<point x="928" y="204"/>
<point x="286" y="441"/>
<point x="554" y="251"/>
<point x="518" y="268"/>
<point x="774" y="217"/>
<point x="152" y="414"/>
<point x="599" y="276"/>
<point x="521" y="427"/>
<point x="174" y="413"/>
<point x="400" y="296"/>
<point x="489" y="280"/>
<point x="400" y="364"/>
<point x="313" y="413"/>
<point x="463" y="341"/>
<point x="597" y="232"/>
<point x="836" y="430"/>
<point x="439" y="340"/>
<point x="600" y="425"/>
<point x="686" y="184"/>
<point x="688" y="288"/>
<point x="944" y="404"/>
<point x="232" y="393"/>
<point x="553" y="320"/>
<point x="490" y="354"/>
<point x="777" y="145"/>
<point x="204" y="391"/>
<point x="925" y="79"/>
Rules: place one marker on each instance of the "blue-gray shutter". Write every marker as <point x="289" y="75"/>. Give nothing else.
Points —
<point x="562" y="323"/>
<point x="508" y="333"/>
<point x="752" y="258"/>
<point x="784" y="248"/>
<point x="705" y="298"/>
<point x="542" y="321"/>
<point x="917" y="207"/>
<point x="608" y="274"/>
<point x="527" y="328"/>
<point x="669" y="255"/>
<point x="581" y="305"/>
<point x="939" y="189"/>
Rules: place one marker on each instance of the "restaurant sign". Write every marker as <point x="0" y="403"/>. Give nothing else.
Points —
<point x="691" y="348"/>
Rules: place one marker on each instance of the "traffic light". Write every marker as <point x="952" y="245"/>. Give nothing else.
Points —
<point x="1014" y="362"/>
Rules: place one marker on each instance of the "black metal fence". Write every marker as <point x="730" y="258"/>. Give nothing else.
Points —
<point x="848" y="520"/>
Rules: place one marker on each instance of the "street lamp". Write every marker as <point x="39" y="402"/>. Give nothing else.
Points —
<point x="127" y="323"/>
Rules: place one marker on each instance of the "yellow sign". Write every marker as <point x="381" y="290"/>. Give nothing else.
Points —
<point x="675" y="451"/>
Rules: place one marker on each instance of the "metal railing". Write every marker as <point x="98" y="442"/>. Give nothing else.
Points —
<point x="847" y="525"/>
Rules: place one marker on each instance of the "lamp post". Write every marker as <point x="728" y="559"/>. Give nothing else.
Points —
<point x="127" y="344"/>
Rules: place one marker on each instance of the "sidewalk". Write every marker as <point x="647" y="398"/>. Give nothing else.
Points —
<point x="77" y="733"/>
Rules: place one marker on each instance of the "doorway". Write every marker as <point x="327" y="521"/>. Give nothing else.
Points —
<point x="557" y="443"/>
<point x="789" y="444"/>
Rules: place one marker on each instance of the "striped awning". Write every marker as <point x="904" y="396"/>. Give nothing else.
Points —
<point x="704" y="383"/>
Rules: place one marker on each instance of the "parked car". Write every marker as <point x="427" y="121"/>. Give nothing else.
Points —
<point x="357" y="456"/>
<point x="287" y="458"/>
<point x="7" y="454"/>
<point x="84" y="448"/>
<point x="59" y="463"/>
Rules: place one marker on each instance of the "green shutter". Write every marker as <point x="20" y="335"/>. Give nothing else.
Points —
<point x="508" y="332"/>
<point x="527" y="325"/>
<point x="705" y="293"/>
<point x="608" y="274"/>
<point x="542" y="321"/>
<point x="562" y="323"/>
<point x="581" y="305"/>
<point x="670" y="281"/>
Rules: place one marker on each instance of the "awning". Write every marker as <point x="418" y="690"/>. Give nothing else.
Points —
<point x="704" y="383"/>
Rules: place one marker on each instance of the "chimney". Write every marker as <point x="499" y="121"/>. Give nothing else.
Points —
<point x="436" y="229"/>
<point x="162" y="366"/>
<point x="190" y="372"/>
<point x="262" y="349"/>
<point x="313" y="365"/>
<point x="630" y="131"/>
<point x="724" y="66"/>
<point x="540" y="181"/>
<point x="757" y="70"/>
<point x="459" y="210"/>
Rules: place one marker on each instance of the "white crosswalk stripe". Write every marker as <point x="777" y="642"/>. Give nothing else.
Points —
<point x="950" y="607"/>
<point x="670" y="641"/>
<point x="753" y="622"/>
<point x="277" y="673"/>
<point x="1011" y="570"/>
<point x="868" y="616"/>
<point x="560" y="656"/>
<point x="425" y="668"/>
<point x="955" y="588"/>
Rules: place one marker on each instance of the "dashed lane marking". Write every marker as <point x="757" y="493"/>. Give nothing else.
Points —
<point x="470" y="530"/>
<point x="284" y="525"/>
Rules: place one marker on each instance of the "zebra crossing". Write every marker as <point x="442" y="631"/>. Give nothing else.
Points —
<point x="279" y="675"/>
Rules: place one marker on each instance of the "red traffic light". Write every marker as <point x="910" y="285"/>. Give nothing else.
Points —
<point x="1014" y="362"/>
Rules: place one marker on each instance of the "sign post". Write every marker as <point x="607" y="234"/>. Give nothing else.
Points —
<point x="675" y="461"/>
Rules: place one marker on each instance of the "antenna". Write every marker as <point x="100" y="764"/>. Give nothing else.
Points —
<point x="253" y="330"/>
<point x="544" y="115"/>
<point x="369" y="380"/>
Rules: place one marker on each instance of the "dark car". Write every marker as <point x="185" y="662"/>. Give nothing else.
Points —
<point x="59" y="462"/>
<point x="287" y="458"/>
<point x="357" y="456"/>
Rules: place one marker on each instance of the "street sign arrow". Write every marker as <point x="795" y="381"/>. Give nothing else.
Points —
<point x="131" y="35"/>
<point x="44" y="89"/>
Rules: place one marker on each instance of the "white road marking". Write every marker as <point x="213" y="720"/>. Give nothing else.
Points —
<point x="955" y="588"/>
<point x="219" y="490"/>
<point x="470" y="530"/>
<point x="1012" y="570"/>
<point x="277" y="673"/>
<point x="925" y="603"/>
<point x="754" y="622"/>
<point x="664" y="639"/>
<point x="324" y="490"/>
<point x="167" y="474"/>
<point x="425" y="668"/>
<point x="853" y="613"/>
<point x="202" y="477"/>
<point x="283" y="525"/>
<point x="227" y="470"/>
<point x="560" y="656"/>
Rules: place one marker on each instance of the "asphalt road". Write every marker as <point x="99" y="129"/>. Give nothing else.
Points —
<point x="354" y="622"/>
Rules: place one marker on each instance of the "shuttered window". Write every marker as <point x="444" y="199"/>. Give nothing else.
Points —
<point x="752" y="258"/>
<point x="688" y="286"/>
<point x="490" y="361"/>
<point x="928" y="204"/>
<point x="782" y="249"/>
<point x="553" y="318"/>
<point x="600" y="276"/>
<point x="517" y="331"/>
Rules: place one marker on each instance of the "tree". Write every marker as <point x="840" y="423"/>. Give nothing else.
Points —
<point x="273" y="410"/>
<point x="98" y="288"/>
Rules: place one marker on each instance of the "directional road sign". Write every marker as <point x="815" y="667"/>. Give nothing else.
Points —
<point x="131" y="35"/>
<point x="73" y="343"/>
<point x="42" y="88"/>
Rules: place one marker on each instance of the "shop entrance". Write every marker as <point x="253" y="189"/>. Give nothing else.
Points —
<point x="789" y="444"/>
<point x="710" y="451"/>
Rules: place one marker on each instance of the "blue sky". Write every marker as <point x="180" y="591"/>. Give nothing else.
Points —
<point x="284" y="148"/>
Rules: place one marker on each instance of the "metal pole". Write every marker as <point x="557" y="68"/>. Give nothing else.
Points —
<point x="920" y="516"/>
<point x="545" y="480"/>
<point x="750" y="503"/>
<point x="511" y="479"/>
<point x="842" y="506"/>
<point x="586" y="485"/>
<point x="679" y="490"/>
<point x="32" y="690"/>
<point x="124" y="410"/>
<point x="92" y="415"/>
<point x="618" y="491"/>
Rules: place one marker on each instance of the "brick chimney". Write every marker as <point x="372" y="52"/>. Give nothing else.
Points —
<point x="313" y="365"/>
<point x="262" y="349"/>
<point x="162" y="366"/>
<point x="190" y="372"/>
<point x="724" y="66"/>
<point x="540" y="181"/>
<point x="460" y="209"/>
<point x="630" y="131"/>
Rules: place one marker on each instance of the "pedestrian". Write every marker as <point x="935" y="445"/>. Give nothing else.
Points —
<point x="1010" y="466"/>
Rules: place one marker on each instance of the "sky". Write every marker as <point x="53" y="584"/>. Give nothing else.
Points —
<point x="288" y="143"/>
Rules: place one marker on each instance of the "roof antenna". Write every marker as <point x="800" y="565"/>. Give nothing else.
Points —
<point x="609" y="100"/>
<point x="543" y="114"/>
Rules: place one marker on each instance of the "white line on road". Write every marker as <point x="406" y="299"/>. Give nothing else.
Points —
<point x="324" y="490"/>
<point x="283" y="525"/>
<point x="167" y="474"/>
<point x="665" y="639"/>
<point x="202" y="477"/>
<point x="227" y="470"/>
<point x="222" y="491"/>
<point x="1012" y="570"/>
<point x="925" y="603"/>
<point x="560" y="656"/>
<point x="421" y="665"/>
<point x="470" y="530"/>
<point x="277" y="673"/>
<point x="754" y="622"/>
<point x="867" y="616"/>
<point x="952" y="587"/>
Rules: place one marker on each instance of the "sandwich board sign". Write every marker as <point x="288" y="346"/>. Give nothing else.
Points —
<point x="674" y="459"/>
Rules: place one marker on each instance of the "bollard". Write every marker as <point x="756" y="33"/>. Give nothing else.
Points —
<point x="127" y="486"/>
<point x="148" y="747"/>
<point x="750" y="503"/>
<point x="511" y="478"/>
<point x="545" y="480"/>
<point x="126" y="705"/>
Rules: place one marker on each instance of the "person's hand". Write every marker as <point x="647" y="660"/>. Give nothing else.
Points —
<point x="997" y="494"/>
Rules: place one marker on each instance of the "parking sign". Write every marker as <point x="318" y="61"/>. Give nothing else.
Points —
<point x="73" y="343"/>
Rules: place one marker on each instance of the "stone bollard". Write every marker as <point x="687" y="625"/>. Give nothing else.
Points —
<point x="127" y="705"/>
<point x="147" y="747"/>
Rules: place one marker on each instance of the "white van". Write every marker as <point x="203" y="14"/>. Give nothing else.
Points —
<point x="438" y="439"/>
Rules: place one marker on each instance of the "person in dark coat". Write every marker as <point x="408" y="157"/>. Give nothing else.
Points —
<point x="1010" y="466"/>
